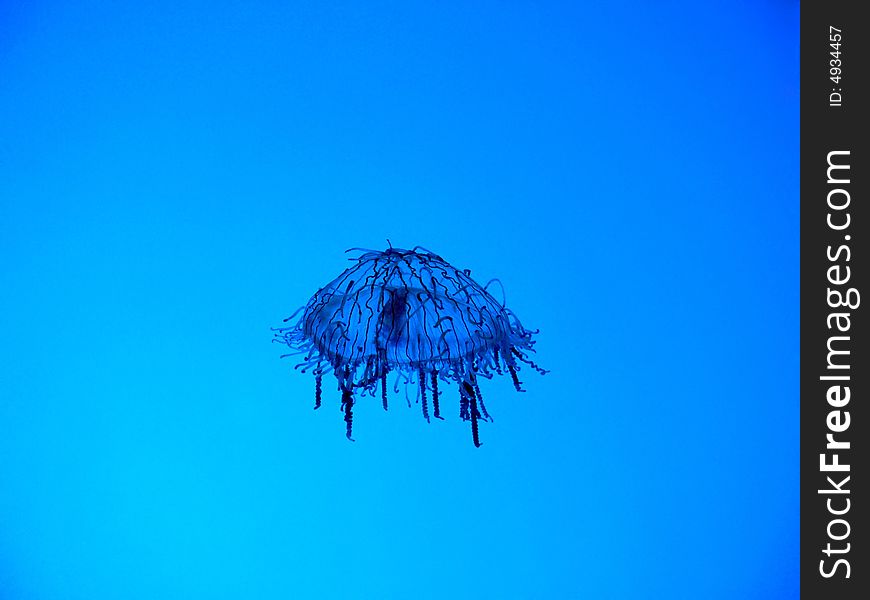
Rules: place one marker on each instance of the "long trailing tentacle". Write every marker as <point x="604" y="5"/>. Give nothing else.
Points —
<point x="423" y="402"/>
<point x="318" y="389"/>
<point x="516" y="379"/>
<point x="347" y="405"/>
<point x="479" y="397"/>
<point x="384" y="390"/>
<point x="436" y="405"/>
<point x="474" y="414"/>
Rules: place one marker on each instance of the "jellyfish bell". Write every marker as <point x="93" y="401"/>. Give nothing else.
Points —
<point x="411" y="315"/>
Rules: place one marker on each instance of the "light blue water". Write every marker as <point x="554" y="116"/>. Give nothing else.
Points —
<point x="174" y="180"/>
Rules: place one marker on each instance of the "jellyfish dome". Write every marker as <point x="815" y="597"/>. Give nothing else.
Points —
<point x="411" y="316"/>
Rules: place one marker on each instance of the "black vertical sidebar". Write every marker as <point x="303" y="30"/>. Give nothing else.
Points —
<point x="835" y="370"/>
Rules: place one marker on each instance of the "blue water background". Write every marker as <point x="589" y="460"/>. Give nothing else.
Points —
<point x="175" y="178"/>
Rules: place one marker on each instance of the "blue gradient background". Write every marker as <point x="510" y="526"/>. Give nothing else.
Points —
<point x="175" y="179"/>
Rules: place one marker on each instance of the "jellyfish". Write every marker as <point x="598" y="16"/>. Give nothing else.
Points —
<point x="411" y="316"/>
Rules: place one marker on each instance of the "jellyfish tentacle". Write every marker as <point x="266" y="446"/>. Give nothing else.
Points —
<point x="474" y="414"/>
<point x="435" y="396"/>
<point x="517" y="383"/>
<point x="463" y="403"/>
<point x="347" y="405"/>
<point x="318" y="387"/>
<point x="421" y="376"/>
<point x="384" y="389"/>
<point x="479" y="397"/>
<point x="525" y="358"/>
<point x="500" y="285"/>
